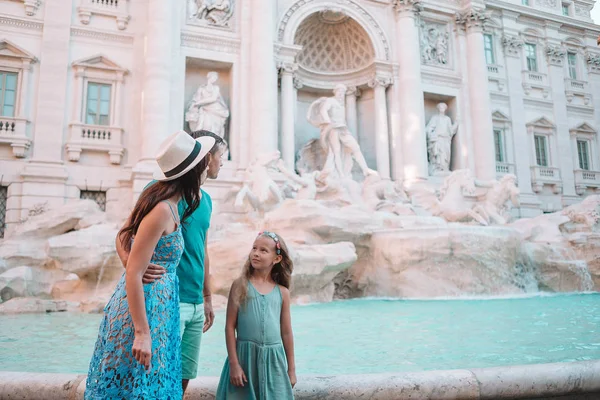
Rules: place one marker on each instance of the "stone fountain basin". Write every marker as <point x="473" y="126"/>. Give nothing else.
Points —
<point x="577" y="380"/>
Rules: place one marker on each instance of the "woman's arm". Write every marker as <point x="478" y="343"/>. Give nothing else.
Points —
<point x="209" y="315"/>
<point x="149" y="232"/>
<point x="287" y="336"/>
<point x="236" y="374"/>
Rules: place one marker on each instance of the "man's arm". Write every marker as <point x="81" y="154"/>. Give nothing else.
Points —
<point x="209" y="315"/>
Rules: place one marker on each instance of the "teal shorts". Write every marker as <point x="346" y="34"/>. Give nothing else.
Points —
<point x="192" y="323"/>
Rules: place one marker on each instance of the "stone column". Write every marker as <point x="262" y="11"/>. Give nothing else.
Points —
<point x="412" y="105"/>
<point x="287" y="113"/>
<point x="24" y="89"/>
<point x="78" y="94"/>
<point x="52" y="83"/>
<point x="157" y="79"/>
<point x="521" y="138"/>
<point x="351" y="111"/>
<point x="263" y="78"/>
<point x="382" y="141"/>
<point x="593" y="68"/>
<point x="563" y="158"/>
<point x="480" y="111"/>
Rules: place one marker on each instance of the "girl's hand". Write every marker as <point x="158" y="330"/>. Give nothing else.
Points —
<point x="292" y="375"/>
<point x="142" y="349"/>
<point x="236" y="375"/>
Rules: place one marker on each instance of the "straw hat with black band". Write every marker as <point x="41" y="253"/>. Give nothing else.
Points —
<point x="179" y="153"/>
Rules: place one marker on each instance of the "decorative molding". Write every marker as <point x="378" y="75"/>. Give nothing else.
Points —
<point x="556" y="55"/>
<point x="593" y="62"/>
<point x="339" y="5"/>
<point x="353" y="91"/>
<point x="210" y="14"/>
<point x="31" y="6"/>
<point x="110" y="8"/>
<point x="583" y="129"/>
<point x="512" y="45"/>
<point x="407" y="6"/>
<point x="379" y="81"/>
<point x="287" y="67"/>
<point x="329" y="45"/>
<point x="472" y="19"/>
<point x="208" y="42"/>
<point x="546" y="3"/>
<point x="101" y="36"/>
<point x="435" y="41"/>
<point x="21" y="23"/>
<point x="298" y="84"/>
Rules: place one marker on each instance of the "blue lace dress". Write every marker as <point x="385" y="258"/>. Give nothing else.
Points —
<point x="114" y="373"/>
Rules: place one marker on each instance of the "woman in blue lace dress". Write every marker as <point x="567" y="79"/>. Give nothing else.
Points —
<point x="137" y="354"/>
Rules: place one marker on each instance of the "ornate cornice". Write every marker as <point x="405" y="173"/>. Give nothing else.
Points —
<point x="512" y="45"/>
<point x="21" y="23"/>
<point x="101" y="36"/>
<point x="556" y="55"/>
<point x="407" y="6"/>
<point x="472" y="19"/>
<point x="207" y="42"/>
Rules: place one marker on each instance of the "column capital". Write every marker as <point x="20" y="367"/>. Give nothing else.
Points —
<point x="407" y="6"/>
<point x="286" y="67"/>
<point x="512" y="45"/>
<point x="353" y="91"/>
<point x="472" y="19"/>
<point x="556" y="55"/>
<point x="593" y="62"/>
<point x="379" y="81"/>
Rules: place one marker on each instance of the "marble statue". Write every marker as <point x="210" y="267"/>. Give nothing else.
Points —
<point x="329" y="115"/>
<point x="434" y="45"/>
<point x="259" y="189"/>
<point x="494" y="206"/>
<point x="381" y="194"/>
<point x="208" y="110"/>
<point x="452" y="204"/>
<point x="213" y="12"/>
<point x="304" y="186"/>
<point x="440" y="130"/>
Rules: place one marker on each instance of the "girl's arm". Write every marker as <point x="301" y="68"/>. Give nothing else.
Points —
<point x="149" y="232"/>
<point x="287" y="336"/>
<point x="236" y="373"/>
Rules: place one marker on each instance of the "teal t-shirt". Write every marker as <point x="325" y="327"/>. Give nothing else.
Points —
<point x="191" y="266"/>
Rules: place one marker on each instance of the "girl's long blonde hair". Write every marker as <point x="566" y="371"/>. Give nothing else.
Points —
<point x="281" y="272"/>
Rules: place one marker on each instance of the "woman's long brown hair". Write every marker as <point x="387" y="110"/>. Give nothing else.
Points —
<point x="281" y="272"/>
<point x="187" y="186"/>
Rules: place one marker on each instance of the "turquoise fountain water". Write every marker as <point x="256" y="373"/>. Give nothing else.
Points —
<point x="358" y="336"/>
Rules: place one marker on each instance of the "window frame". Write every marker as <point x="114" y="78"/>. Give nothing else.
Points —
<point x="573" y="69"/>
<point x="109" y="116"/>
<point x="547" y="160"/>
<point x="588" y="158"/>
<point x="4" y="73"/>
<point x="533" y="46"/>
<point x="500" y="145"/>
<point x="491" y="50"/>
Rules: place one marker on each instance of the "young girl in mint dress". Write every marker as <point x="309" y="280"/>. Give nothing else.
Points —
<point x="260" y="363"/>
<point x="137" y="354"/>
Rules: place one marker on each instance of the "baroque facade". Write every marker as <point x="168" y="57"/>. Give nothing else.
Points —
<point x="89" y="88"/>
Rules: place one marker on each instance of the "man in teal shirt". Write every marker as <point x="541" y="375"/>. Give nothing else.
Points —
<point x="195" y="301"/>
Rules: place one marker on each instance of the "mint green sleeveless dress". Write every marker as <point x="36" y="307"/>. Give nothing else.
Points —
<point x="260" y="351"/>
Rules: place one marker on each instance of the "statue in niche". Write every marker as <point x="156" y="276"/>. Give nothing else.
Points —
<point x="440" y="130"/>
<point x="213" y="12"/>
<point x="434" y="45"/>
<point x="337" y="148"/>
<point x="208" y="110"/>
